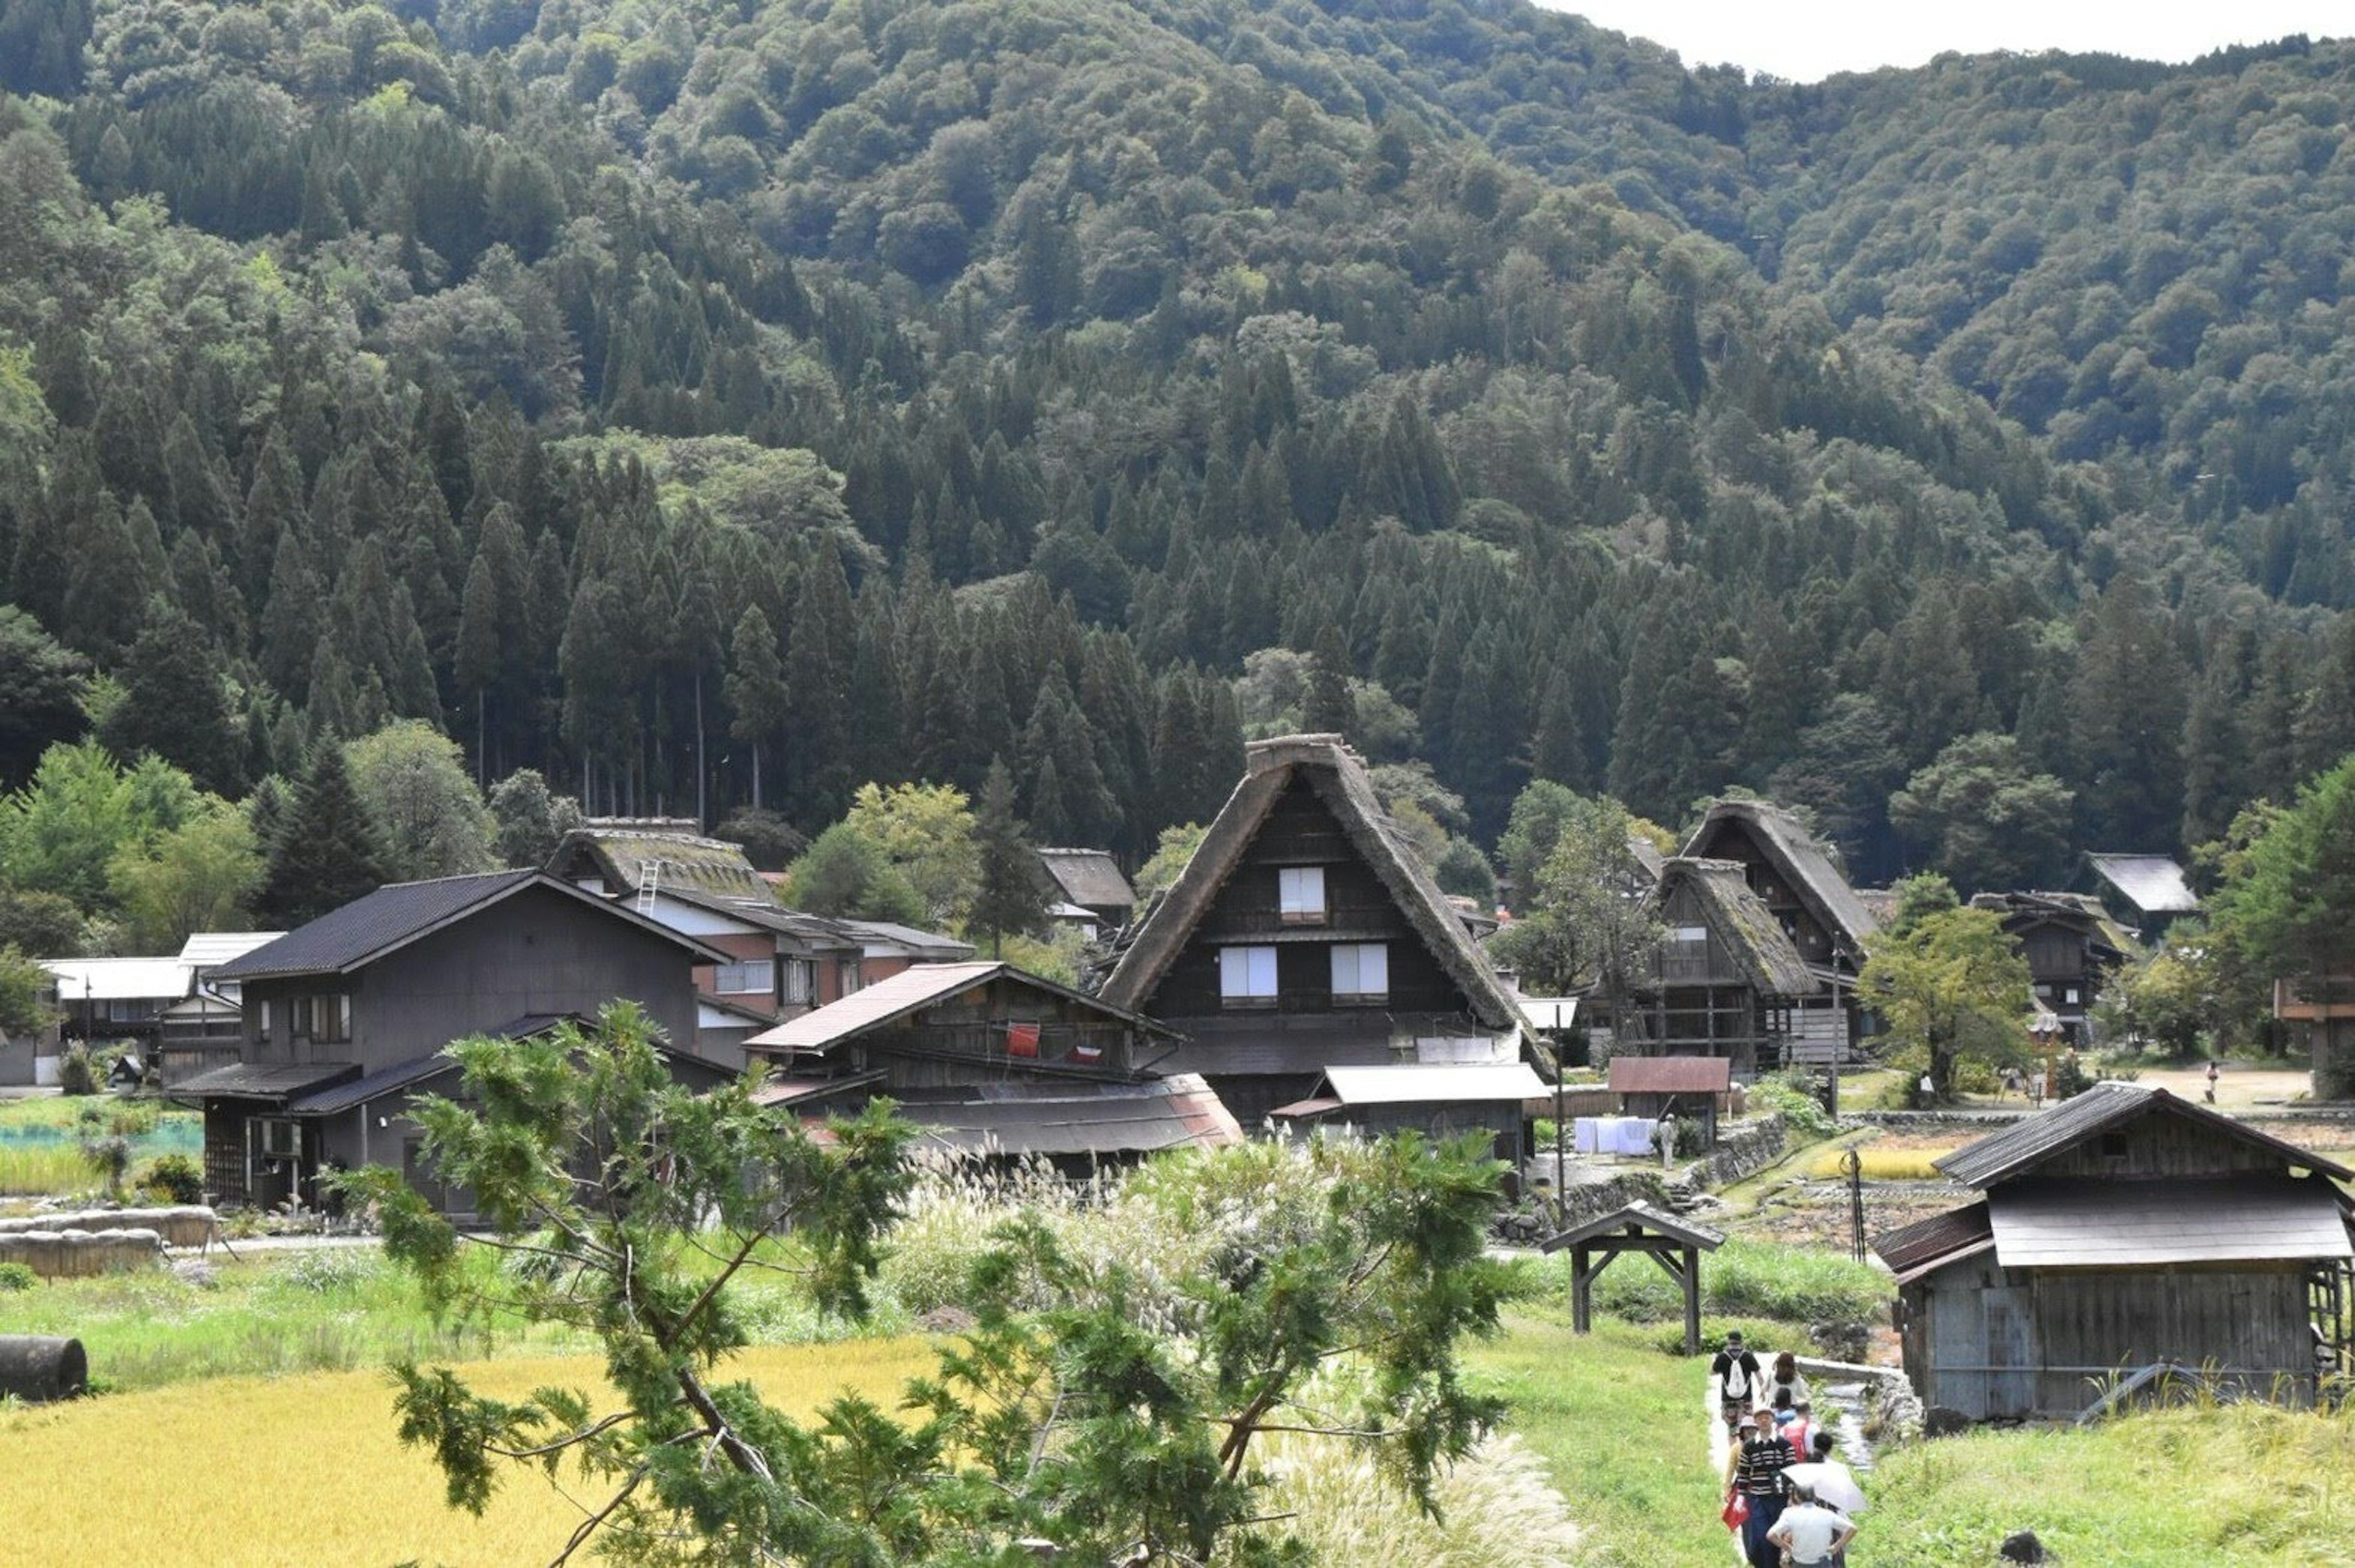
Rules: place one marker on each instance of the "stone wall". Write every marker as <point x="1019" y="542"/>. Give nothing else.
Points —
<point x="1743" y="1150"/>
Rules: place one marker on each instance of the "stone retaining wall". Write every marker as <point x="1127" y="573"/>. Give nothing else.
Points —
<point x="1750" y="1145"/>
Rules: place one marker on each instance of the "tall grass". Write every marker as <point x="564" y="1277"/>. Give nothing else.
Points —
<point x="44" y="1170"/>
<point x="1741" y="1279"/>
<point x="1497" y="1509"/>
<point x="1881" y="1165"/>
<point x="41" y="1154"/>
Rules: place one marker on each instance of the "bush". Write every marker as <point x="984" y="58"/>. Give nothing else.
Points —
<point x="18" y="1276"/>
<point x="1803" y="1114"/>
<point x="330" y="1269"/>
<point x="77" y="1070"/>
<point x="173" y="1179"/>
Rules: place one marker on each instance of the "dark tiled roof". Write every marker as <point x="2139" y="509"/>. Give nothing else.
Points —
<point x="401" y="913"/>
<point x="1911" y="1249"/>
<point x="255" y="1080"/>
<point x="2030" y="1142"/>
<point x="340" y="1097"/>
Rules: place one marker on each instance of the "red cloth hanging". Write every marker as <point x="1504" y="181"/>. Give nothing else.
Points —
<point x="1022" y="1040"/>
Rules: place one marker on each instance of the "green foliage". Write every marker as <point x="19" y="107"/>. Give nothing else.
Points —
<point x="200" y="876"/>
<point x="1010" y="897"/>
<point x="16" y="1276"/>
<point x="1171" y="852"/>
<point x="925" y="834"/>
<point x="61" y="833"/>
<point x="1953" y="985"/>
<point x="529" y="820"/>
<point x="23" y="983"/>
<point x="325" y="852"/>
<point x="429" y="820"/>
<point x="1586" y="919"/>
<point x="1989" y="823"/>
<point x="844" y="874"/>
<point x="79" y="1072"/>
<point x="172" y="1179"/>
<point x="1803" y="1114"/>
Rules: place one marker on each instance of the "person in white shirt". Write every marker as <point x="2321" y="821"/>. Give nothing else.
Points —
<point x="1809" y="1533"/>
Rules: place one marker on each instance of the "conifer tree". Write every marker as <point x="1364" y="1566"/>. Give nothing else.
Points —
<point x="1330" y="709"/>
<point x="325" y="854"/>
<point x="175" y="702"/>
<point x="755" y="690"/>
<point x="1011" y="896"/>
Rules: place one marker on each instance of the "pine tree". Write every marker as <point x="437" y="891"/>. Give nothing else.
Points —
<point x="325" y="854"/>
<point x="1330" y="709"/>
<point x="175" y="702"/>
<point x="755" y="688"/>
<point x="1011" y="896"/>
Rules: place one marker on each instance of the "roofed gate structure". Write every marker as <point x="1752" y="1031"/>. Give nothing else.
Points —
<point x="1302" y="936"/>
<point x="2123" y="1230"/>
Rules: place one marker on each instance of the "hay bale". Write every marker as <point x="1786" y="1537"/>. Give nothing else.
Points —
<point x="37" y="1368"/>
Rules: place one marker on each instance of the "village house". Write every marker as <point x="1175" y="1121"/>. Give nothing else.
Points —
<point x="2122" y="1231"/>
<point x="2073" y="947"/>
<point x="344" y="1019"/>
<point x="1302" y="936"/>
<point x="1089" y="890"/>
<point x="1725" y="980"/>
<point x="1800" y="883"/>
<point x="2146" y="893"/>
<point x="1437" y="1100"/>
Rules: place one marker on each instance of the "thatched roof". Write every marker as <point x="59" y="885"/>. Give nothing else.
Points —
<point x="1338" y="777"/>
<point x="1089" y="877"/>
<point x="1803" y="861"/>
<point x="1755" y="941"/>
<point x="621" y="856"/>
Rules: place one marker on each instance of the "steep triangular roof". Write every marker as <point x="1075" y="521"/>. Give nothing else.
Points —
<point x="1339" y="780"/>
<point x="1801" y="859"/>
<point x="1758" y="944"/>
<point x="620" y="854"/>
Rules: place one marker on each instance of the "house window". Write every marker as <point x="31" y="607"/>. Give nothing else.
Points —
<point x="129" y="1012"/>
<point x="1361" y="972"/>
<point x="1300" y="894"/>
<point x="800" y="979"/>
<point x="327" y="1021"/>
<point x="2070" y="996"/>
<point x="1247" y="976"/>
<point x="263" y="1034"/>
<point x="742" y="979"/>
<point x="1689" y="935"/>
<point x="847" y="971"/>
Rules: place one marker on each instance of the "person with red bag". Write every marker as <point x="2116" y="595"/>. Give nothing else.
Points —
<point x="1754" y="1479"/>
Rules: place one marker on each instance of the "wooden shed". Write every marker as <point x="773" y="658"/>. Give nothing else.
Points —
<point x="1686" y="1087"/>
<point x="2123" y="1230"/>
<point x="1436" y="1099"/>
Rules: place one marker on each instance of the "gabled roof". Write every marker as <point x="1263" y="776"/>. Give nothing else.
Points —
<point x="1089" y="876"/>
<point x="2081" y="913"/>
<point x="1339" y="779"/>
<point x="392" y="917"/>
<point x="1420" y="1083"/>
<point x="2029" y="1143"/>
<point x="922" y="945"/>
<point x="1802" y="860"/>
<point x="762" y="911"/>
<point x="1672" y="1074"/>
<point x="622" y="854"/>
<point x="118" y="979"/>
<point x="1637" y="1218"/>
<point x="1913" y="1251"/>
<point x="205" y="949"/>
<point x="1769" y="960"/>
<point x="926" y="985"/>
<point x="2097" y="1224"/>
<point x="2152" y="884"/>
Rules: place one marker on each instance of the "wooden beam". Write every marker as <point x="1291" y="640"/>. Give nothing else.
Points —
<point x="1692" y="1300"/>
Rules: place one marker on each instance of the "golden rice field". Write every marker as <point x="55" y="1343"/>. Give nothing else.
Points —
<point x="281" y="1472"/>
<point x="1881" y="1163"/>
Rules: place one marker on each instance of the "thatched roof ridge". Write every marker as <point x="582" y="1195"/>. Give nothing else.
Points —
<point x="1339" y="778"/>
<point x="1769" y="960"/>
<point x="1804" y="862"/>
<point x="620" y="855"/>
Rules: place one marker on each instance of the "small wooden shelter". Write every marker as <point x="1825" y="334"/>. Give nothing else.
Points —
<point x="1685" y="1087"/>
<point x="1675" y="1244"/>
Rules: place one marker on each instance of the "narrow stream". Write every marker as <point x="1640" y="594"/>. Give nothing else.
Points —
<point x="1855" y="1448"/>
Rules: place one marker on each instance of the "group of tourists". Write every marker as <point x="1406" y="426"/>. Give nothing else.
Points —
<point x="1790" y="1501"/>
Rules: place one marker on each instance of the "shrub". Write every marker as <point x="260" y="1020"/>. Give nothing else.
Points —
<point x="18" y="1276"/>
<point x="330" y="1269"/>
<point x="1803" y="1114"/>
<point x="108" y="1155"/>
<point x="77" y="1070"/>
<point x="173" y="1179"/>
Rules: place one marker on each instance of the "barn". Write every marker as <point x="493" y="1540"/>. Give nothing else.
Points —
<point x="2123" y="1230"/>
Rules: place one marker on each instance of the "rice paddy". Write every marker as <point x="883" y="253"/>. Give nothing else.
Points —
<point x="40" y="1153"/>
<point x="311" y="1472"/>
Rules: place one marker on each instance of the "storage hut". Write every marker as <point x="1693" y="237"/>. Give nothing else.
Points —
<point x="1686" y="1087"/>
<point x="1436" y="1099"/>
<point x="2120" y="1231"/>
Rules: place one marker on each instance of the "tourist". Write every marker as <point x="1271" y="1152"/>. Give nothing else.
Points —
<point x="2214" y="1072"/>
<point x="1754" y="1474"/>
<point x="1666" y="1134"/>
<point x="1833" y="1483"/>
<point x="1736" y="1372"/>
<point x="1798" y="1428"/>
<point x="1788" y="1389"/>
<point x="1808" y="1534"/>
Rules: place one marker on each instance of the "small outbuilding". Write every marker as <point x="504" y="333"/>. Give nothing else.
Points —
<point x="1675" y="1244"/>
<point x="1686" y="1087"/>
<point x="2121" y="1231"/>
<point x="1436" y="1099"/>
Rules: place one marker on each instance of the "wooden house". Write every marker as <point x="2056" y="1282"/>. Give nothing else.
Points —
<point x="1690" y="1088"/>
<point x="2123" y="1230"/>
<point x="1090" y="881"/>
<point x="1726" y="978"/>
<point x="2147" y="893"/>
<point x="1800" y="883"/>
<point x="344" y="1019"/>
<point x="1436" y="1099"/>
<point x="1302" y="936"/>
<point x="2073" y="947"/>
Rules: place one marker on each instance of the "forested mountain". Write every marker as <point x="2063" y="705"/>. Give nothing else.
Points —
<point x="648" y="390"/>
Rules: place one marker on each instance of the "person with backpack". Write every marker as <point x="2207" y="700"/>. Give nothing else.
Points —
<point x="1755" y="1486"/>
<point x="1737" y="1375"/>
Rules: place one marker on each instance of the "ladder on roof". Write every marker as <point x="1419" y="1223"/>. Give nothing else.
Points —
<point x="649" y="883"/>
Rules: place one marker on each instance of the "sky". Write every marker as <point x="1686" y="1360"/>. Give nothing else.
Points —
<point x="1807" y="41"/>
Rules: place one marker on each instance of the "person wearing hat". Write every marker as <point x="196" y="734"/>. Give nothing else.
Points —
<point x="1808" y="1534"/>
<point x="1755" y="1473"/>
<point x="1736" y="1372"/>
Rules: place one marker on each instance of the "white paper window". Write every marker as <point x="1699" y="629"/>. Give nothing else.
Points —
<point x="801" y="980"/>
<point x="1247" y="974"/>
<point x="1300" y="892"/>
<point x="1691" y="936"/>
<point x="1362" y="970"/>
<point x="742" y="979"/>
<point x="2071" y="997"/>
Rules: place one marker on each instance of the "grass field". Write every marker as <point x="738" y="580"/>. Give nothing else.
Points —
<point x="39" y="1140"/>
<point x="263" y="1473"/>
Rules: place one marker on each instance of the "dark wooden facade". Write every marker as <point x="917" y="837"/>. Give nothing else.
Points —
<point x="1806" y="894"/>
<point x="2071" y="947"/>
<point x="1706" y="994"/>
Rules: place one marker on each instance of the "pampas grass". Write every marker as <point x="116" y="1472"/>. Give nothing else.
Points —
<point x="1497" y="1509"/>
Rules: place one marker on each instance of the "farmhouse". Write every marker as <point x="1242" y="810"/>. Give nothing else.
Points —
<point x="2073" y="947"/>
<point x="1726" y="978"/>
<point x="1089" y="888"/>
<point x="1436" y="1099"/>
<point x="1303" y="936"/>
<point x="2146" y="892"/>
<point x="1804" y="892"/>
<point x="2119" y="1231"/>
<point x="344" y="1019"/>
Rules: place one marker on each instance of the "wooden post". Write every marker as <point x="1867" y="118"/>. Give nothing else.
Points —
<point x="1582" y="1287"/>
<point x="1692" y="1300"/>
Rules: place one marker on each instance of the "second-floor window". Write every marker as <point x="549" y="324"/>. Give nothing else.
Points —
<point x="1247" y="976"/>
<point x="847" y="969"/>
<point x="1361" y="972"/>
<point x="1300" y="894"/>
<point x="743" y="979"/>
<point x="324" y="1019"/>
<point x="801" y="980"/>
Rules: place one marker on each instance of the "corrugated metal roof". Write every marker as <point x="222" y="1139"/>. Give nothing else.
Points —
<point x="2092" y="1225"/>
<point x="206" y="948"/>
<point x="1911" y="1250"/>
<point x="1672" y="1074"/>
<point x="1642" y="1217"/>
<point x="2152" y="884"/>
<point x="2031" y="1141"/>
<point x="401" y="913"/>
<point x="808" y="1091"/>
<point x="921" y="944"/>
<point x="1431" y="1083"/>
<point x="118" y="979"/>
<point x="910" y="989"/>
<point x="1089" y="877"/>
<point x="252" y="1081"/>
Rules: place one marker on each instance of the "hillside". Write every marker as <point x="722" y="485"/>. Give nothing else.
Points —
<point x="887" y="388"/>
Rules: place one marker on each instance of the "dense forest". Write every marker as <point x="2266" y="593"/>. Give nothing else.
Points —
<point x="715" y="403"/>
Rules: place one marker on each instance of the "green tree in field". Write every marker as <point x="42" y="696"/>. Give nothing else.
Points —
<point x="1588" y="919"/>
<point x="926" y="834"/>
<point x="1950" y="984"/>
<point x="2286" y="906"/>
<point x="200" y="876"/>
<point x="325" y="854"/>
<point x="1012" y="893"/>
<point x="844" y="874"/>
<point x="1096" y="1409"/>
<point x="1990" y="823"/>
<point x="430" y="819"/>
